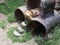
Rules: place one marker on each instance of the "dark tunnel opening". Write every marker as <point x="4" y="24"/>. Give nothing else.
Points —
<point x="36" y="28"/>
<point x="19" y="15"/>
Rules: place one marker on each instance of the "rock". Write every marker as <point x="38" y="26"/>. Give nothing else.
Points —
<point x="20" y="30"/>
<point x="23" y="24"/>
<point x="49" y="35"/>
<point x="2" y="16"/>
<point x="16" y="33"/>
<point x="56" y="12"/>
<point x="2" y="1"/>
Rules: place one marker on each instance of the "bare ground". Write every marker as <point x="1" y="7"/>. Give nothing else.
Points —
<point x="4" y="40"/>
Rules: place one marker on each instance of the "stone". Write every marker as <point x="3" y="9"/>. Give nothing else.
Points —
<point x="16" y="33"/>
<point x="49" y="35"/>
<point x="23" y="24"/>
<point x="56" y="12"/>
<point x="20" y="30"/>
<point x="2" y="1"/>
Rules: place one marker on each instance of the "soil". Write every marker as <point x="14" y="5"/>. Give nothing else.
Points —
<point x="4" y="40"/>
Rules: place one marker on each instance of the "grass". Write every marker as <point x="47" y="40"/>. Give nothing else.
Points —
<point x="38" y="39"/>
<point x="56" y="37"/>
<point x="10" y="6"/>
<point x="9" y="9"/>
<point x="3" y="23"/>
<point x="51" y="41"/>
<point x="27" y="36"/>
<point x="11" y="17"/>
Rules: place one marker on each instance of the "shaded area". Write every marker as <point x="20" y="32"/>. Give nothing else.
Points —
<point x="19" y="15"/>
<point x="36" y="28"/>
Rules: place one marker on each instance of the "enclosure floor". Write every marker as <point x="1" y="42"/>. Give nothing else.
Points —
<point x="4" y="40"/>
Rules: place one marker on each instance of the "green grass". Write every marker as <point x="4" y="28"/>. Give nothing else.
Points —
<point x="9" y="9"/>
<point x="11" y="6"/>
<point x="11" y="17"/>
<point x="3" y="23"/>
<point x="27" y="36"/>
<point x="56" y="37"/>
<point x="38" y="39"/>
<point x="51" y="41"/>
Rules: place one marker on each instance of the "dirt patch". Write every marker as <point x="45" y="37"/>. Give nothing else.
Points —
<point x="2" y="16"/>
<point x="4" y="40"/>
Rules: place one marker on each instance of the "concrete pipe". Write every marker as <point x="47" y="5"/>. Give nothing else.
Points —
<point x="35" y="6"/>
<point x="32" y="12"/>
<point x="19" y="13"/>
<point x="39" y="25"/>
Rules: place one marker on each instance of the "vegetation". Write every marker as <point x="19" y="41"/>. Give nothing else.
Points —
<point x="3" y="23"/>
<point x="11" y="17"/>
<point x="51" y="41"/>
<point x="56" y="37"/>
<point x="10" y="6"/>
<point x="38" y="39"/>
<point x="27" y="36"/>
